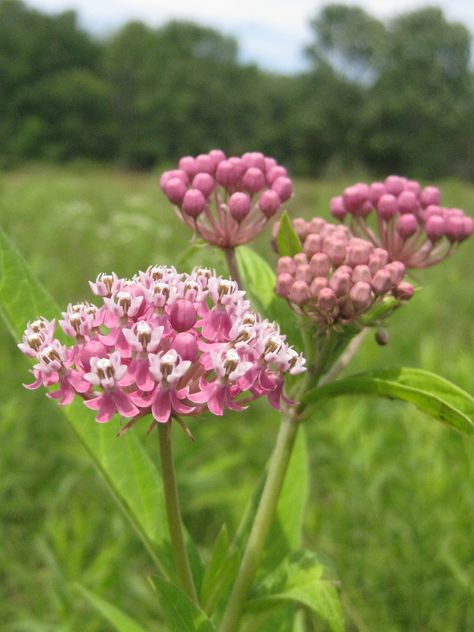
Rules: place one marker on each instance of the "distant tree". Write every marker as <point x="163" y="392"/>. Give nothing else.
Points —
<point x="179" y="89"/>
<point x="49" y="85"/>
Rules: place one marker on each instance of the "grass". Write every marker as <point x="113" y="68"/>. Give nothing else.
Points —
<point x="392" y="503"/>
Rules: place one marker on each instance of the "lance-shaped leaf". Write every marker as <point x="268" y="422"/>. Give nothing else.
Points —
<point x="220" y="571"/>
<point x="287" y="241"/>
<point x="430" y="393"/>
<point x="131" y="475"/>
<point x="180" y="613"/>
<point x="300" y="579"/>
<point x="119" y="620"/>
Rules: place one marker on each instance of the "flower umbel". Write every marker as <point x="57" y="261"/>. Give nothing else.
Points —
<point x="338" y="277"/>
<point x="227" y="201"/>
<point x="409" y="221"/>
<point x="164" y="343"/>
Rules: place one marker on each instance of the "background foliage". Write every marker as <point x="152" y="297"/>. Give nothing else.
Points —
<point x="390" y="492"/>
<point x="399" y="98"/>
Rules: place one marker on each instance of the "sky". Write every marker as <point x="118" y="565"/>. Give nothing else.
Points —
<point x="271" y="34"/>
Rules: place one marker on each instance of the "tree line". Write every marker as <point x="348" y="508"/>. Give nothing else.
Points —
<point x="384" y="96"/>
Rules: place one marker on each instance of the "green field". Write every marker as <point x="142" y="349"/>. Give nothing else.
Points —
<point x="392" y="492"/>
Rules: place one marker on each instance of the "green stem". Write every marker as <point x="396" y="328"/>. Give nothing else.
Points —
<point x="262" y="523"/>
<point x="173" y="512"/>
<point x="274" y="482"/>
<point x="232" y="265"/>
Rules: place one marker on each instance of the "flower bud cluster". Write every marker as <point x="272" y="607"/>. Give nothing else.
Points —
<point x="410" y="222"/>
<point x="227" y="201"/>
<point x="338" y="277"/>
<point x="164" y="343"/>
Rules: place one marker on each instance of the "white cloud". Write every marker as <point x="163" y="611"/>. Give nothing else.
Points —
<point x="271" y="34"/>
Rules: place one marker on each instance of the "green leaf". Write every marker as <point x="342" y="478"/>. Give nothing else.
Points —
<point x="430" y="393"/>
<point x="300" y="579"/>
<point x="288" y="242"/>
<point x="259" y="282"/>
<point x="220" y="571"/>
<point x="181" y="614"/>
<point x="287" y="528"/>
<point x="131" y="475"/>
<point x="120" y="621"/>
<point x="258" y="277"/>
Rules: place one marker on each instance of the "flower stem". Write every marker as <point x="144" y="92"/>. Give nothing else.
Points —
<point x="232" y="265"/>
<point x="173" y="512"/>
<point x="262" y="523"/>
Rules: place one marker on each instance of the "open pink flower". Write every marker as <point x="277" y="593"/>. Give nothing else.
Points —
<point x="162" y="343"/>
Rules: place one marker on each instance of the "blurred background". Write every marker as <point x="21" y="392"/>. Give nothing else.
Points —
<point x="94" y="103"/>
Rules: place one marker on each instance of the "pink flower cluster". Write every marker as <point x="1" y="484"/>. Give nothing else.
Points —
<point x="227" y="201"/>
<point x="337" y="277"/>
<point x="164" y="343"/>
<point x="410" y="222"/>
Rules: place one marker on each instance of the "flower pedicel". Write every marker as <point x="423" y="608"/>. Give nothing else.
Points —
<point x="164" y="343"/>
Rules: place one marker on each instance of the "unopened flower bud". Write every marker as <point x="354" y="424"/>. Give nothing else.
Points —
<point x="318" y="284"/>
<point x="381" y="337"/>
<point x="313" y="244"/>
<point x="340" y="283"/>
<point x="387" y="206"/>
<point x="303" y="273"/>
<point x="382" y="282"/>
<point x="337" y="208"/>
<point x="227" y="173"/>
<point x="327" y="300"/>
<point x="284" y="187"/>
<point x="300" y="259"/>
<point x="182" y="315"/>
<point x="336" y="250"/>
<point x="174" y="173"/>
<point x="407" y="202"/>
<point x="217" y="156"/>
<point x="300" y="293"/>
<point x="204" y="183"/>
<point x="320" y="264"/>
<point x="175" y="190"/>
<point x="286" y="264"/>
<point x="239" y="206"/>
<point x="434" y="227"/>
<point x="194" y="203"/>
<point x="253" y="180"/>
<point x="407" y="225"/>
<point x="454" y="227"/>
<point x="188" y="165"/>
<point x="361" y="294"/>
<point x="394" y="184"/>
<point x="300" y="226"/>
<point x="430" y="195"/>
<point x="276" y="172"/>
<point x="355" y="196"/>
<point x="358" y="253"/>
<point x="254" y="159"/>
<point x="269" y="203"/>
<point x="315" y="225"/>
<point x="396" y="269"/>
<point x="361" y="273"/>
<point x="185" y="345"/>
<point x="404" y="291"/>
<point x="414" y="187"/>
<point x="377" y="189"/>
<point x="205" y="164"/>
<point x="284" y="284"/>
